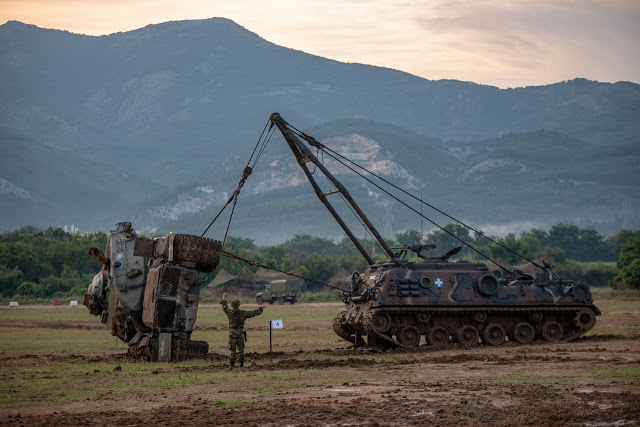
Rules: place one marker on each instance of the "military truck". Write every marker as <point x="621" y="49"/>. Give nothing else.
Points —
<point x="280" y="291"/>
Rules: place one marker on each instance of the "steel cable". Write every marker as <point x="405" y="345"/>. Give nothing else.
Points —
<point x="414" y="210"/>
<point x="323" y="147"/>
<point x="429" y="205"/>
<point x="259" y="264"/>
<point x="262" y="143"/>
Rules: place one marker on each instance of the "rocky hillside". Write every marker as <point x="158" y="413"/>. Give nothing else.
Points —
<point x="178" y="105"/>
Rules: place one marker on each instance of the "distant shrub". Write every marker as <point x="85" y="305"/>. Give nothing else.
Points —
<point x="320" y="297"/>
<point x="593" y="273"/>
<point x="629" y="265"/>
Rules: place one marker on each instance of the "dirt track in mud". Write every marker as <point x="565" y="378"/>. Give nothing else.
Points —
<point x="592" y="381"/>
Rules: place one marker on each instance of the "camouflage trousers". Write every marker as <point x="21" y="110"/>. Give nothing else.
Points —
<point x="236" y="340"/>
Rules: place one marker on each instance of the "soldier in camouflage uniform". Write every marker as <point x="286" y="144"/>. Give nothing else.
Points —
<point x="236" y="327"/>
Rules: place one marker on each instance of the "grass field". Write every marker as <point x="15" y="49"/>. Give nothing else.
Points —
<point x="61" y="361"/>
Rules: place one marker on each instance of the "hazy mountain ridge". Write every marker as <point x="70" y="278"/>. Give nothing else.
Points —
<point x="529" y="179"/>
<point x="43" y="185"/>
<point x="168" y="101"/>
<point x="191" y="87"/>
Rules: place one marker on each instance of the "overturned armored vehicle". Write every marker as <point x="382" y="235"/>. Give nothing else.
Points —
<point x="395" y="302"/>
<point x="148" y="291"/>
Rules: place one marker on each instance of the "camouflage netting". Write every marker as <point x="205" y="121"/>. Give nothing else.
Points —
<point x="340" y="280"/>
<point x="527" y="268"/>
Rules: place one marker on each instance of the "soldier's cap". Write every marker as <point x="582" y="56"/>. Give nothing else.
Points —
<point x="235" y="303"/>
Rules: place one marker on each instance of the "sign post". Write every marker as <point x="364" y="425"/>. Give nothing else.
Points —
<point x="270" y="349"/>
<point x="273" y="324"/>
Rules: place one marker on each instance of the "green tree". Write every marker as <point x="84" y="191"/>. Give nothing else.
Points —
<point x="630" y="252"/>
<point x="541" y="235"/>
<point x="445" y="240"/>
<point x="353" y="261"/>
<point x="287" y="263"/>
<point x="591" y="245"/>
<point x="27" y="289"/>
<point x="408" y="237"/>
<point x="616" y="242"/>
<point x="303" y="245"/>
<point x="629" y="265"/>
<point x="49" y="260"/>
<point x="10" y="280"/>
<point x="567" y="237"/>
<point x="240" y="243"/>
<point x="499" y="253"/>
<point x="319" y="267"/>
<point x="629" y="277"/>
<point x="558" y="255"/>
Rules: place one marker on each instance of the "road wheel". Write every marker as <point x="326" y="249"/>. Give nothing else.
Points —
<point x="259" y="300"/>
<point x="467" y="336"/>
<point x="480" y="316"/>
<point x="424" y="317"/>
<point x="552" y="331"/>
<point x="536" y="316"/>
<point x="523" y="333"/>
<point x="281" y="301"/>
<point x="380" y="322"/>
<point x="270" y="301"/>
<point x="292" y="301"/>
<point x="409" y="336"/>
<point x="438" y="336"/>
<point x="493" y="334"/>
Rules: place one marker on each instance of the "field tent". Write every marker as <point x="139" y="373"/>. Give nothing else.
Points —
<point x="340" y="280"/>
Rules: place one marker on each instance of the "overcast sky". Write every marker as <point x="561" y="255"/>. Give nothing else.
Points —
<point x="501" y="43"/>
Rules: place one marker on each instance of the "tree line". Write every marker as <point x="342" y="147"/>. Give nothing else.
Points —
<point x="42" y="263"/>
<point x="580" y="253"/>
<point x="51" y="263"/>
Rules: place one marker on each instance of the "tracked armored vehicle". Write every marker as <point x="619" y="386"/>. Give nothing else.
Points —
<point x="148" y="291"/>
<point x="396" y="302"/>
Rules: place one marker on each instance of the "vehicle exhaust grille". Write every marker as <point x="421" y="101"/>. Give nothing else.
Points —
<point x="170" y="282"/>
<point x="166" y="312"/>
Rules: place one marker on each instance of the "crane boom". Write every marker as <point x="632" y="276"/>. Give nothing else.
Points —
<point x="303" y="156"/>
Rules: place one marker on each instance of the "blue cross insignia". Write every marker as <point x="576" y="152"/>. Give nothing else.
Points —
<point x="439" y="283"/>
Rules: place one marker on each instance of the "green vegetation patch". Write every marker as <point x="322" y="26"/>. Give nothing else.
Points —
<point x="48" y="341"/>
<point x="631" y="372"/>
<point x="521" y="376"/>
<point x="229" y="403"/>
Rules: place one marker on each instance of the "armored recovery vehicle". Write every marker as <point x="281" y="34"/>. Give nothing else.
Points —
<point x="148" y="291"/>
<point x="396" y="302"/>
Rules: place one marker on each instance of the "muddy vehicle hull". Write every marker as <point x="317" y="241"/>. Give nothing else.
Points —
<point x="149" y="289"/>
<point x="396" y="306"/>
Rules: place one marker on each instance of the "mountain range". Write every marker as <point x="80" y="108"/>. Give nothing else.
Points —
<point x="156" y="124"/>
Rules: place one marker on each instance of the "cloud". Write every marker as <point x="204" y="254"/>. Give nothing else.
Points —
<point x="547" y="41"/>
<point x="503" y="43"/>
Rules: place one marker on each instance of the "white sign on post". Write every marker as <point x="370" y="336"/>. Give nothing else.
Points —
<point x="276" y="324"/>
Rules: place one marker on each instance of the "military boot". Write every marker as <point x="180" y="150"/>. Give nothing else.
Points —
<point x="232" y="364"/>
<point x="242" y="364"/>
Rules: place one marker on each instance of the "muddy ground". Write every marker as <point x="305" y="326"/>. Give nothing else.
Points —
<point x="593" y="381"/>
